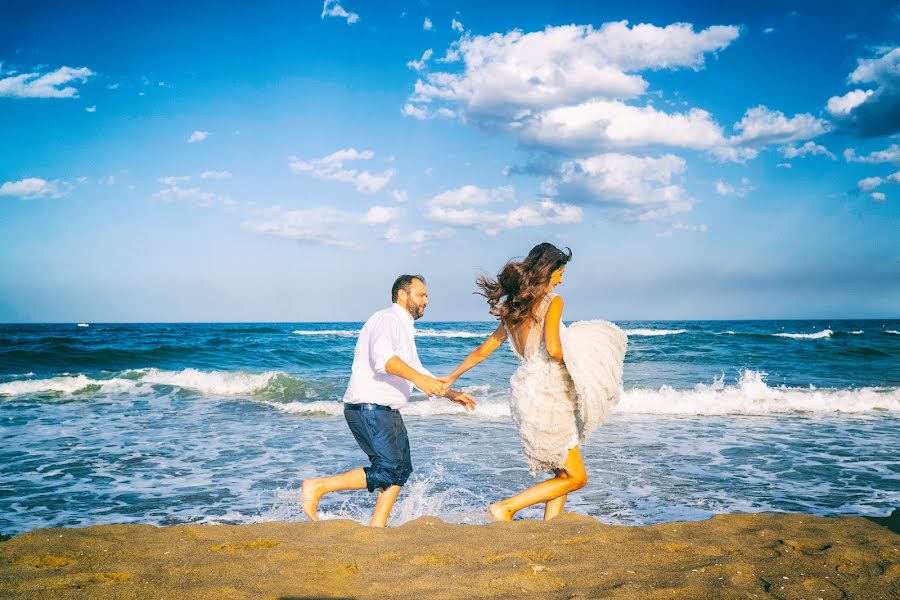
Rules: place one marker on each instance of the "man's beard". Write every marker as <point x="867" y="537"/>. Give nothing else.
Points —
<point x="415" y="310"/>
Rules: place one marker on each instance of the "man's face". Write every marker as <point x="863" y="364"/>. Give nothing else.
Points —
<point x="415" y="300"/>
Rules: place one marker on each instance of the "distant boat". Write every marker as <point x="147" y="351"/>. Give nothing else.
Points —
<point x="83" y="325"/>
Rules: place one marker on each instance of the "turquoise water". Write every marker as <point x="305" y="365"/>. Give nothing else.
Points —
<point x="176" y="423"/>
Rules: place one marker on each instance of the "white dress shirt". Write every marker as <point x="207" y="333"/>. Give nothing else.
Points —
<point x="387" y="333"/>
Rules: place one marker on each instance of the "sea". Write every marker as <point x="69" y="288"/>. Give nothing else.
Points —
<point x="220" y="422"/>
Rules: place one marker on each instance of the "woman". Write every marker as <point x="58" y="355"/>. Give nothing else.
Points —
<point x="556" y="403"/>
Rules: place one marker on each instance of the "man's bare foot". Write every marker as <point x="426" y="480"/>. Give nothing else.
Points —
<point x="310" y="498"/>
<point x="499" y="512"/>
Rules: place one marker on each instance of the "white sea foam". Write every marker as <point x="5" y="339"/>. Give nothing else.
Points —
<point x="857" y="332"/>
<point x="894" y="331"/>
<point x="648" y="332"/>
<point x="223" y="383"/>
<point x="753" y="396"/>
<point x="66" y="384"/>
<point x="449" y="334"/>
<point x="825" y="333"/>
<point x="330" y="332"/>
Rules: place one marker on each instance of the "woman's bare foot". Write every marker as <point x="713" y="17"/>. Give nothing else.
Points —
<point x="499" y="512"/>
<point x="310" y="499"/>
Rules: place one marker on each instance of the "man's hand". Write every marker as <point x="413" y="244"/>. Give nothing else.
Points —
<point x="463" y="399"/>
<point x="432" y="386"/>
<point x="449" y="380"/>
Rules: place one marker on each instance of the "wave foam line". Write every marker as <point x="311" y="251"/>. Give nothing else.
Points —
<point x="825" y="333"/>
<point x="650" y="332"/>
<point x="330" y="332"/>
<point x="66" y="385"/>
<point x="222" y="383"/>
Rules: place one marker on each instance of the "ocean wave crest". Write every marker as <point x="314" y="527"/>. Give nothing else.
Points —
<point x="652" y="332"/>
<point x="825" y="333"/>
<point x="329" y="332"/>
<point x="66" y="384"/>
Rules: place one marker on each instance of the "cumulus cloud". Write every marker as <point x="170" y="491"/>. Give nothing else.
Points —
<point x="807" y="149"/>
<point x="427" y="25"/>
<point x="762" y="125"/>
<point x="471" y="195"/>
<point x="612" y="124"/>
<point x="891" y="154"/>
<point x="632" y="187"/>
<point x="399" y="195"/>
<point x="725" y="189"/>
<point x="43" y="85"/>
<point x="878" y="196"/>
<point x="544" y="212"/>
<point x="331" y="168"/>
<point x="457" y="208"/>
<point x="380" y="215"/>
<point x="333" y="8"/>
<point x="32" y="188"/>
<point x="91" y="109"/>
<point x="505" y="74"/>
<point x="784" y="166"/>
<point x="869" y="183"/>
<point x="215" y="175"/>
<point x="320" y="225"/>
<point x="198" y="136"/>
<point x="456" y="26"/>
<point x="417" y="237"/>
<point x="873" y="108"/>
<point x="175" y="190"/>
<point x="418" y="65"/>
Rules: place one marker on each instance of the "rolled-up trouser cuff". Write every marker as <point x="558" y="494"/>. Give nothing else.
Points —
<point x="382" y="478"/>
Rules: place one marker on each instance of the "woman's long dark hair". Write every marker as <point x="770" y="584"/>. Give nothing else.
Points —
<point x="522" y="283"/>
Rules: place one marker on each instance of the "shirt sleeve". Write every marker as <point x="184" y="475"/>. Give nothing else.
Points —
<point x="383" y="340"/>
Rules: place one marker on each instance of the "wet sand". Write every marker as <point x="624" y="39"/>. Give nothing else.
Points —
<point x="728" y="556"/>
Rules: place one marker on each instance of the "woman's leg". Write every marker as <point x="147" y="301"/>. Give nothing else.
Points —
<point x="570" y="478"/>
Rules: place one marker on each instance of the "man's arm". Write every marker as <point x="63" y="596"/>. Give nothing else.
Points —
<point x="426" y="383"/>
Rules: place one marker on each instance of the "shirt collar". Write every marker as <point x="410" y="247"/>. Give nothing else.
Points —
<point x="403" y="312"/>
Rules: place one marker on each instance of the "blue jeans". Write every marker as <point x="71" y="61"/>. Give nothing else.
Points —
<point x="381" y="434"/>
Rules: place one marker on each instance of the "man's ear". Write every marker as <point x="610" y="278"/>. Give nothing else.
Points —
<point x="402" y="296"/>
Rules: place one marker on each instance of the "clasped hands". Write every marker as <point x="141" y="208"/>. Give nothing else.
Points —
<point x="440" y="386"/>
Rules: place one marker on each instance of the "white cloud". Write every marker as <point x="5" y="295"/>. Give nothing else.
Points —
<point x="418" y="65"/>
<point x="417" y="237"/>
<point x="843" y="105"/>
<point x="725" y="189"/>
<point x="506" y="74"/>
<point x="632" y="187"/>
<point x="427" y="25"/>
<point x="878" y="196"/>
<point x="114" y="86"/>
<point x="44" y="85"/>
<point x="807" y="149"/>
<point x="784" y="166"/>
<point x="399" y="195"/>
<point x="679" y="226"/>
<point x="321" y="225"/>
<point x="544" y="212"/>
<point x="891" y="154"/>
<point x="91" y="109"/>
<point x="612" y="124"/>
<point x="470" y="195"/>
<point x="894" y="177"/>
<point x="331" y="168"/>
<point x="762" y="125"/>
<point x="333" y="8"/>
<point x="871" y="112"/>
<point x="869" y="183"/>
<point x="769" y="30"/>
<point x="456" y="26"/>
<point x="198" y="136"/>
<point x="31" y="188"/>
<point x="379" y="215"/>
<point x="215" y="175"/>
<point x="174" y="191"/>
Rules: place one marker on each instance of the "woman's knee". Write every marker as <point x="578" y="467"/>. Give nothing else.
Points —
<point x="577" y="479"/>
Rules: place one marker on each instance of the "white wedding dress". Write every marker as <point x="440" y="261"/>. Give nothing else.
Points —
<point x="556" y="406"/>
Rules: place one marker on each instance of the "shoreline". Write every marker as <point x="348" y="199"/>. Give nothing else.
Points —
<point x="763" y="555"/>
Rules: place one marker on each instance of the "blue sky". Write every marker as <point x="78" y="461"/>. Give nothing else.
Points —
<point x="283" y="162"/>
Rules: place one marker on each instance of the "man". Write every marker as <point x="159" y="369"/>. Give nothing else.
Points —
<point x="385" y="368"/>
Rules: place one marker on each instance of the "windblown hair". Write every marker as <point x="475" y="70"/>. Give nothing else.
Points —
<point x="522" y="284"/>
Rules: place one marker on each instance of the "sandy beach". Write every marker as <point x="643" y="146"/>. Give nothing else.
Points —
<point x="729" y="556"/>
